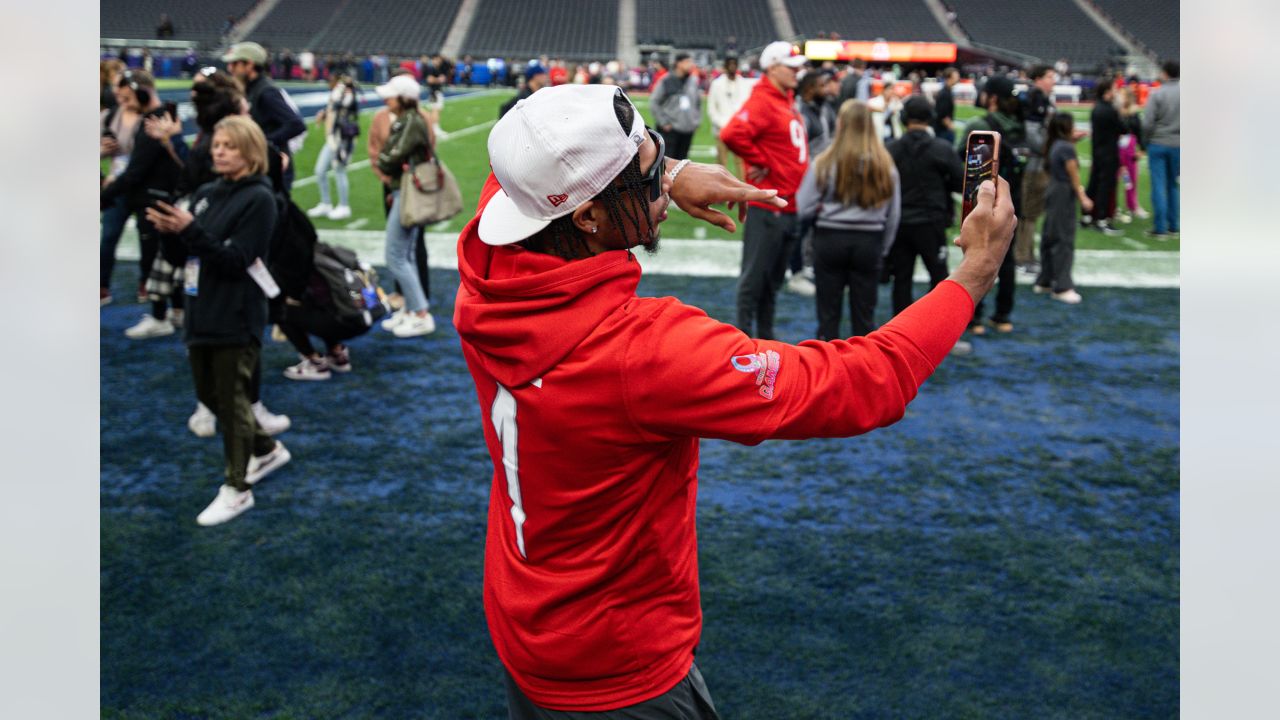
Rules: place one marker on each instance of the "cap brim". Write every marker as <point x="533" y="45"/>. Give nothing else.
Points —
<point x="385" y="92"/>
<point x="795" y="60"/>
<point x="502" y="224"/>
<point x="231" y="57"/>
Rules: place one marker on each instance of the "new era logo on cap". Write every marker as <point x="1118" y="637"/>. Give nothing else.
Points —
<point x="553" y="151"/>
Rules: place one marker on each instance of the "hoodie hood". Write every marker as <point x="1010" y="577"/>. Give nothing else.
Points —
<point x="523" y="312"/>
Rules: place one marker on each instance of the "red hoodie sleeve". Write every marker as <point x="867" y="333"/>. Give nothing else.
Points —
<point x="690" y="375"/>
<point x="741" y="133"/>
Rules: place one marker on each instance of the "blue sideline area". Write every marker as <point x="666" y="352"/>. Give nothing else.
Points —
<point x="1010" y="549"/>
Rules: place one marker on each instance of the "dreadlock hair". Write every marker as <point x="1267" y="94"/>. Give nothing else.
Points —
<point x="563" y="239"/>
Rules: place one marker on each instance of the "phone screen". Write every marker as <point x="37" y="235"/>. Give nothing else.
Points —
<point x="981" y="162"/>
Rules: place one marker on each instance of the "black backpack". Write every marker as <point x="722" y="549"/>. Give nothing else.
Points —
<point x="354" y="295"/>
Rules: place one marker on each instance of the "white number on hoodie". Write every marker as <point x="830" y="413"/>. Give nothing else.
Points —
<point x="503" y="416"/>
<point x="800" y="140"/>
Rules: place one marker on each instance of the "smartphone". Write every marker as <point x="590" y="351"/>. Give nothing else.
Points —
<point x="981" y="162"/>
<point x="171" y="109"/>
<point x="159" y="195"/>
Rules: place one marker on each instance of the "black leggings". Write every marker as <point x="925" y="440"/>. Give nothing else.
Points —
<point x="846" y="258"/>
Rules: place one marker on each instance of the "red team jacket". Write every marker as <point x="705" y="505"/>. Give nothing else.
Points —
<point x="592" y="401"/>
<point x="768" y="132"/>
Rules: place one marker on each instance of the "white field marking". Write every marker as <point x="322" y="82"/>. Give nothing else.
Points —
<point x="723" y="258"/>
<point x="357" y="223"/>
<point x="362" y="164"/>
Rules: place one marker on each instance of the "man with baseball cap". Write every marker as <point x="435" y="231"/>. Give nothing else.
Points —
<point x="535" y="78"/>
<point x="593" y="400"/>
<point x="268" y="105"/>
<point x="768" y="134"/>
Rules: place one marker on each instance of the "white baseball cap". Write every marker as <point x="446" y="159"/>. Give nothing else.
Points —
<point x="553" y="151"/>
<point x="781" y="52"/>
<point x="403" y="86"/>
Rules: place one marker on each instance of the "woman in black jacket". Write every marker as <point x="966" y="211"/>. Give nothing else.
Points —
<point x="227" y="241"/>
<point x="216" y="95"/>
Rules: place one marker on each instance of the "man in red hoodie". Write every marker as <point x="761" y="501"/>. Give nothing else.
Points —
<point x="593" y="400"/>
<point x="769" y="135"/>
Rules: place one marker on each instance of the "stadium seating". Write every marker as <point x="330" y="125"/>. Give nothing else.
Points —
<point x="1154" y="24"/>
<point x="705" y="24"/>
<point x="867" y="20"/>
<point x="294" y="24"/>
<point x="580" y="29"/>
<point x="1047" y="29"/>
<point x="198" y="20"/>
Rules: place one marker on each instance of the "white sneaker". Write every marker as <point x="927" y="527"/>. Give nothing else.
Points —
<point x="308" y="369"/>
<point x="229" y="503"/>
<point x="342" y="212"/>
<point x="1070" y="297"/>
<point x="272" y="424"/>
<point x="260" y="467"/>
<point x="203" y="423"/>
<point x="320" y="210"/>
<point x="149" y="327"/>
<point x="801" y="285"/>
<point x="394" y="321"/>
<point x="414" y="326"/>
<point x="962" y="347"/>
<point x="175" y="317"/>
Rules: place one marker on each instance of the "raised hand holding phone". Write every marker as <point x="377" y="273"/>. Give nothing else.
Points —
<point x="984" y="237"/>
<point x="981" y="163"/>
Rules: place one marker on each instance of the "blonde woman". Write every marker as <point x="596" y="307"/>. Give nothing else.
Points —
<point x="226" y="238"/>
<point x="852" y="196"/>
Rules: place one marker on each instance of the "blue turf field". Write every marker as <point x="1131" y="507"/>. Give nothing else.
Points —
<point x="1010" y="549"/>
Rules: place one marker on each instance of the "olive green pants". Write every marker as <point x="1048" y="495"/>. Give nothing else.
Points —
<point x="222" y="374"/>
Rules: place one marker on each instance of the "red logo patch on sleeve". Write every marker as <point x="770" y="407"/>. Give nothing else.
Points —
<point x="557" y="200"/>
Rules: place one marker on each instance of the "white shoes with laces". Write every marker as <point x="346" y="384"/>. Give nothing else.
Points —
<point x="229" y="503"/>
<point x="149" y="327"/>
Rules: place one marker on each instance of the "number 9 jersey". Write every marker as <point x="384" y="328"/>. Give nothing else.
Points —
<point x="768" y="133"/>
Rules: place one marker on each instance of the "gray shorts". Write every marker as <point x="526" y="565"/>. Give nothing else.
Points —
<point x="688" y="700"/>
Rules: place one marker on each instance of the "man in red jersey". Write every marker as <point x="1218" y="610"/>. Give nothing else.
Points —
<point x="769" y="135"/>
<point x="593" y="399"/>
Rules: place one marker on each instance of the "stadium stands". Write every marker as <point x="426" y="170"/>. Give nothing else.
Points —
<point x="867" y="20"/>
<point x="294" y="24"/>
<point x="1154" y="24"/>
<point x="198" y="20"/>
<point x="1047" y="29"/>
<point x="394" y="26"/>
<point x="704" y="24"/>
<point x="581" y="29"/>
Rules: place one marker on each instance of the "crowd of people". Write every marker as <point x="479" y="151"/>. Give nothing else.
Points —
<point x="225" y="252"/>
<point x="865" y="161"/>
<point x="842" y="178"/>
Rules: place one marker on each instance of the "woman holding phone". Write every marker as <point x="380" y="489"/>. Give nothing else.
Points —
<point x="227" y="240"/>
<point x="852" y="195"/>
<point x="1058" y="237"/>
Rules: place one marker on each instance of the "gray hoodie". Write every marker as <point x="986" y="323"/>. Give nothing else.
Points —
<point x="677" y="103"/>
<point x="1160" y="120"/>
<point x="821" y="207"/>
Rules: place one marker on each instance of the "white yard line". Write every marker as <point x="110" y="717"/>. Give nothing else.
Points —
<point x="723" y="258"/>
<point x="357" y="223"/>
